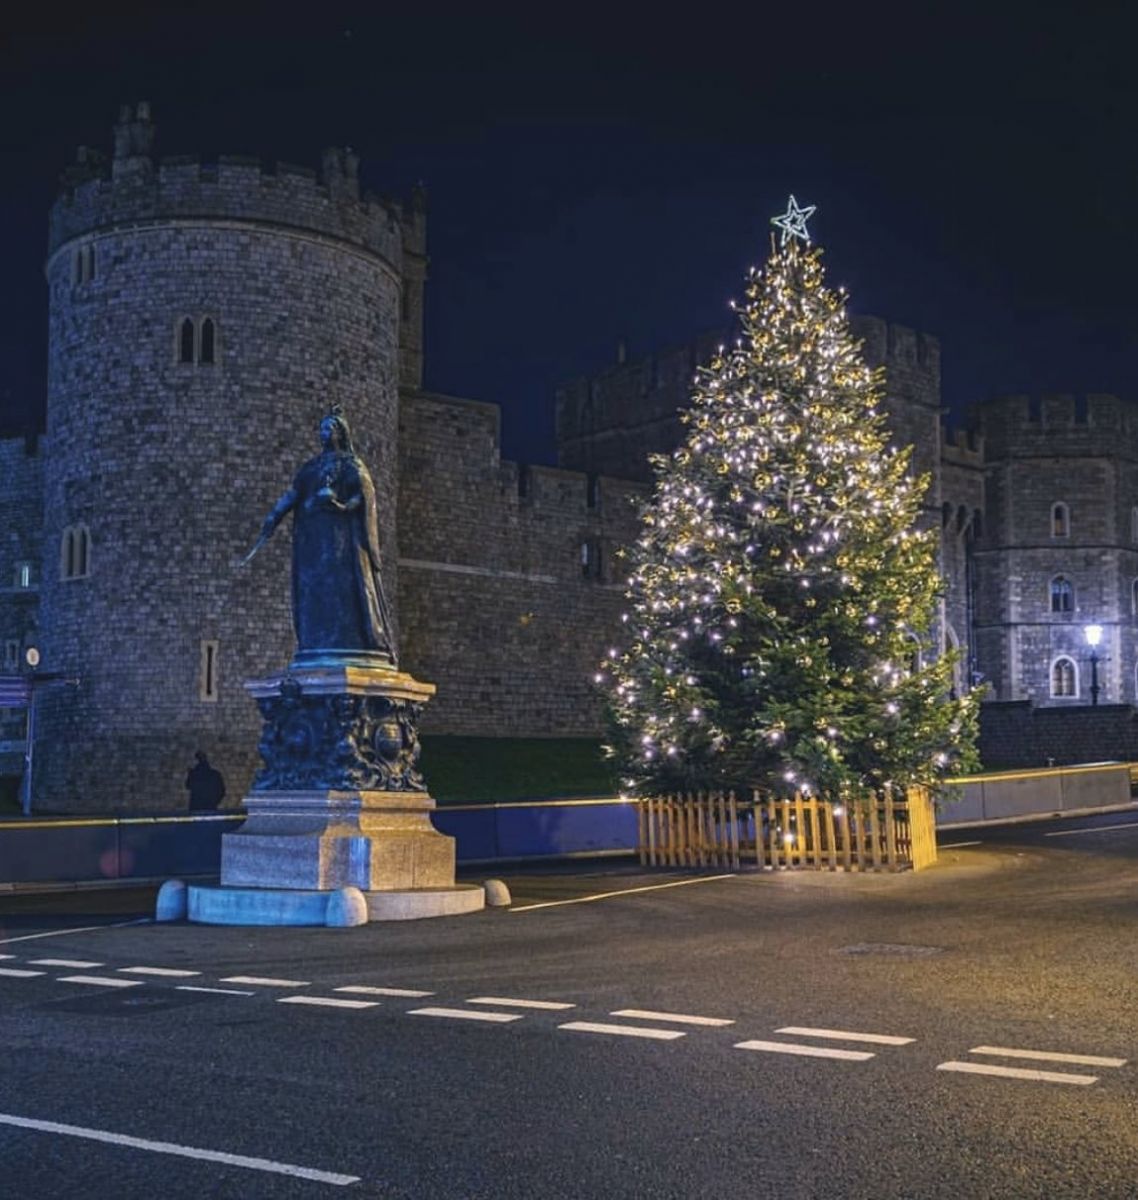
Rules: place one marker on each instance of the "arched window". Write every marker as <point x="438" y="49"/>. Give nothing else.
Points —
<point x="1062" y="595"/>
<point x="89" y="262"/>
<point x="1064" y="677"/>
<point x="1060" y="520"/>
<point x="186" y="341"/>
<point x="206" y="341"/>
<point x="912" y="655"/>
<point x="75" y="553"/>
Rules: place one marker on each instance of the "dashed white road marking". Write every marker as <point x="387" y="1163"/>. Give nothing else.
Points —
<point x="1082" y="1060"/>
<point x="652" y="887"/>
<point x="189" y="987"/>
<point x="1093" y="829"/>
<point x="18" y="973"/>
<point x="634" y="1031"/>
<point x="974" y="1068"/>
<point x="77" y="964"/>
<point x="462" y="1014"/>
<point x="264" y="981"/>
<point x="217" y="1156"/>
<point x="958" y="845"/>
<point x="162" y="972"/>
<point x="361" y="990"/>
<point x="7" y="956"/>
<point x="328" y="1002"/>
<point x="512" y="1002"/>
<point x="805" y="1051"/>
<point x="844" y="1035"/>
<point x="100" y="981"/>
<point x="648" y="1014"/>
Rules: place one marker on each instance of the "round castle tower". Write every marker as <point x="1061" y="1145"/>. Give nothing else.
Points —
<point x="202" y="320"/>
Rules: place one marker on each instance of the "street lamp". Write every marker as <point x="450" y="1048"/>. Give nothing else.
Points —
<point x="1093" y="635"/>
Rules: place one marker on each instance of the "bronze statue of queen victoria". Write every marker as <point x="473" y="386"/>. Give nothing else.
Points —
<point x="339" y="610"/>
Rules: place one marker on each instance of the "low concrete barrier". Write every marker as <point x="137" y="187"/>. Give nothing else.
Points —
<point x="104" y="849"/>
<point x="1008" y="795"/>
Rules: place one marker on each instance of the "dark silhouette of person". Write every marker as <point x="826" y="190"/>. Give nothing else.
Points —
<point x="205" y="784"/>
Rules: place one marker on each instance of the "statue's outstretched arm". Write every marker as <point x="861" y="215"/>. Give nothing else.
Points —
<point x="278" y="513"/>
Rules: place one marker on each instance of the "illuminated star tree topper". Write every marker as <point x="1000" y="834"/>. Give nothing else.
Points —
<point x="779" y="631"/>
<point x="793" y="222"/>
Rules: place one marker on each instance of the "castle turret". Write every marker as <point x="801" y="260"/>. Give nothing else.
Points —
<point x="202" y="320"/>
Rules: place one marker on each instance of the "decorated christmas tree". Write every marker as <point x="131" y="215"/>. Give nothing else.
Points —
<point x="780" y="630"/>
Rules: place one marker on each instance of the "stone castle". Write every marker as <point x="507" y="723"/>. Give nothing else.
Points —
<point x="203" y="317"/>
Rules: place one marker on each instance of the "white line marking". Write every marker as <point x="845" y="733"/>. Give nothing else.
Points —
<point x="164" y="972"/>
<point x="509" y="1002"/>
<point x="7" y="956"/>
<point x="15" y="973"/>
<point x="637" y="1031"/>
<point x="647" y="1014"/>
<point x="461" y="1014"/>
<point x="217" y="1156"/>
<point x="189" y="987"/>
<point x="1083" y="1060"/>
<point x="843" y="1035"/>
<point x="328" y="1002"/>
<point x="361" y="990"/>
<point x="77" y="963"/>
<point x="100" y="981"/>
<point x="263" y="981"/>
<point x="31" y="937"/>
<point x="652" y="887"/>
<point x="958" y="845"/>
<point x="971" y="1068"/>
<point x="805" y="1051"/>
<point x="1095" y="829"/>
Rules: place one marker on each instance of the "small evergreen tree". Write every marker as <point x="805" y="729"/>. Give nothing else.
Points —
<point x="782" y="591"/>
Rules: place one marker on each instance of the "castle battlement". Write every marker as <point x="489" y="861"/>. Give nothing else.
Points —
<point x="136" y="189"/>
<point x="897" y="346"/>
<point x="962" y="447"/>
<point x="1058" y="423"/>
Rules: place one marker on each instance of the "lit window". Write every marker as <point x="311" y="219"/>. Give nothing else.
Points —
<point x="1062" y="595"/>
<point x="25" y="575"/>
<point x="1064" y="678"/>
<point x="1060" y="521"/>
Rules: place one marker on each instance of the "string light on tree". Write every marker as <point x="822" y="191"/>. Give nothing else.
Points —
<point x="781" y="579"/>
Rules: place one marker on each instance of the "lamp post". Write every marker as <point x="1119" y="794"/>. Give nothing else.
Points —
<point x="1093" y="635"/>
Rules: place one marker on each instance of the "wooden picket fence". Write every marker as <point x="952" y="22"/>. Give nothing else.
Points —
<point x="714" y="829"/>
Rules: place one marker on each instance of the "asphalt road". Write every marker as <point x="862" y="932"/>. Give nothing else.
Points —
<point x="791" y="1035"/>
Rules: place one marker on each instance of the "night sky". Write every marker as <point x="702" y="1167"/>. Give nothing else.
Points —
<point x="594" y="177"/>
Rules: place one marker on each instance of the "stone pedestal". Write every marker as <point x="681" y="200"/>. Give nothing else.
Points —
<point x="340" y="803"/>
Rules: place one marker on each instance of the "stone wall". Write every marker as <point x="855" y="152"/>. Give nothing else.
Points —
<point x="496" y="603"/>
<point x="1018" y="734"/>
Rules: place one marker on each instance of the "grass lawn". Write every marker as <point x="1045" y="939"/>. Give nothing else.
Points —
<point x="462" y="770"/>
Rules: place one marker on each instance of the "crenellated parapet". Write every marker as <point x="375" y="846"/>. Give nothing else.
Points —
<point x="1058" y="424"/>
<point x="135" y="189"/>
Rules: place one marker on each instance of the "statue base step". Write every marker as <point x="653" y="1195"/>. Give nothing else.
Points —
<point x="340" y="907"/>
<point x="374" y="841"/>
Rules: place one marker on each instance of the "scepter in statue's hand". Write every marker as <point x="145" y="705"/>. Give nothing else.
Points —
<point x="256" y="546"/>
